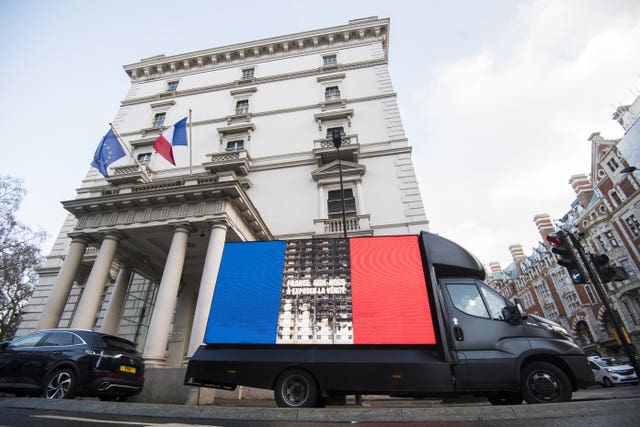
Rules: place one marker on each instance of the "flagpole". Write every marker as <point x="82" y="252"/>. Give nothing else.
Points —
<point x="190" y="147"/>
<point x="126" y="147"/>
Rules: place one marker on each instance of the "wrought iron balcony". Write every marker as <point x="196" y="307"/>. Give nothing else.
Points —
<point x="237" y="161"/>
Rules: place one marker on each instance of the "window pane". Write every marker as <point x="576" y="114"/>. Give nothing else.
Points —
<point x="172" y="86"/>
<point x="28" y="341"/>
<point x="235" y="145"/>
<point x="242" y="107"/>
<point x="57" y="339"/>
<point x="247" y="73"/>
<point x="334" y="204"/>
<point x="158" y="120"/>
<point x="329" y="59"/>
<point x="495" y="302"/>
<point x="466" y="298"/>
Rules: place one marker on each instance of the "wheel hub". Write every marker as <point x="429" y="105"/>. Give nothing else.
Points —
<point x="544" y="386"/>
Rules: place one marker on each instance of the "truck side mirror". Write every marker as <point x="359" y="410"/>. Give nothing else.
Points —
<point x="511" y="314"/>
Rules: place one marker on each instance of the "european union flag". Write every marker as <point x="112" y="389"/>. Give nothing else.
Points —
<point x="109" y="150"/>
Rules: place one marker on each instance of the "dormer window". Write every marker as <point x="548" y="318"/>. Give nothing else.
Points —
<point x="242" y="107"/>
<point x="247" y="73"/>
<point x="613" y="165"/>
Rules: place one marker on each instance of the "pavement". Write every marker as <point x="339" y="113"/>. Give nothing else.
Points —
<point x="379" y="410"/>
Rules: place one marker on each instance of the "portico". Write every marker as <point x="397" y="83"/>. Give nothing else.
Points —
<point x="172" y="232"/>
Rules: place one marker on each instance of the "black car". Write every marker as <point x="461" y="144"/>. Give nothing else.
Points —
<point x="65" y="363"/>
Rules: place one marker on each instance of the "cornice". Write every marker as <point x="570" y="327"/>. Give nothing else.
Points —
<point x="238" y="84"/>
<point x="356" y="32"/>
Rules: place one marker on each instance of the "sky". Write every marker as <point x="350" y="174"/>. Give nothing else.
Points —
<point x="498" y="97"/>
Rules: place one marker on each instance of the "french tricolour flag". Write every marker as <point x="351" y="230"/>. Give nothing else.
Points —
<point x="171" y="137"/>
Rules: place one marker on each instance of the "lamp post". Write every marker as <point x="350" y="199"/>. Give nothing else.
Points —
<point x="336" y="138"/>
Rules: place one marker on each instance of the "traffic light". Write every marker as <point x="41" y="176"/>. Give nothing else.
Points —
<point x="606" y="271"/>
<point x="561" y="246"/>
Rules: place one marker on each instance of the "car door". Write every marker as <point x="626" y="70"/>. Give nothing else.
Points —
<point x="15" y="359"/>
<point x="489" y="344"/>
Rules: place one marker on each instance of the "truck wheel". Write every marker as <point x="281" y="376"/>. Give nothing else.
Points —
<point x="505" y="398"/>
<point x="543" y="382"/>
<point x="296" y="389"/>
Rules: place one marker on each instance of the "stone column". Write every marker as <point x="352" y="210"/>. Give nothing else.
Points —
<point x="207" y="285"/>
<point x="114" y="311"/>
<point x="93" y="289"/>
<point x="158" y="335"/>
<point x="60" y="292"/>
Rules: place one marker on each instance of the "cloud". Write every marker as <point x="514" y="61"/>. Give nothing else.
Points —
<point x="507" y="126"/>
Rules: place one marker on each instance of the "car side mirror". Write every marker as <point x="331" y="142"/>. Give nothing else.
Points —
<point x="511" y="314"/>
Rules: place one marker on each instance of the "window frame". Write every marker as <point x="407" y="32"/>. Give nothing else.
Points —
<point x="349" y="212"/>
<point x="330" y="60"/>
<point x="158" y="119"/>
<point x="242" y="107"/>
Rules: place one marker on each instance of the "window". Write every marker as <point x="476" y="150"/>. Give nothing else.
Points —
<point x="611" y="238"/>
<point x="616" y="198"/>
<point x="335" y="204"/>
<point x="495" y="302"/>
<point x="466" y="298"/>
<point x="613" y="165"/>
<point x="58" y="339"/>
<point x="242" y="106"/>
<point x="158" y="119"/>
<point x="144" y="158"/>
<point x="330" y="59"/>
<point x="632" y="223"/>
<point x="338" y="129"/>
<point x="247" y="73"/>
<point x="172" y="86"/>
<point x="235" y="145"/>
<point x="592" y="298"/>
<point x="332" y="92"/>
<point x="28" y="341"/>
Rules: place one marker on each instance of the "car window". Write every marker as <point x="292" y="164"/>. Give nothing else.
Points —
<point x="56" y="339"/>
<point x="120" y="344"/>
<point x="495" y="302"/>
<point x="466" y="298"/>
<point x="594" y="366"/>
<point x="27" y="341"/>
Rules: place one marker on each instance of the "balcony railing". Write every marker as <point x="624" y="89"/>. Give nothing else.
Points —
<point x="237" y="161"/>
<point x="325" y="152"/>
<point x="358" y="223"/>
<point x="129" y="174"/>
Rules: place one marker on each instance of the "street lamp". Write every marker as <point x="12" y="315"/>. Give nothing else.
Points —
<point x="629" y="169"/>
<point x="336" y="138"/>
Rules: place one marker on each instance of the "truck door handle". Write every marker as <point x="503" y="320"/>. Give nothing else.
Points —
<point x="457" y="331"/>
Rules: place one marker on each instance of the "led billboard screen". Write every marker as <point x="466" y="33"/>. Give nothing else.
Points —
<point x="365" y="290"/>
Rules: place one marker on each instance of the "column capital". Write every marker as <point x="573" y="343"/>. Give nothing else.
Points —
<point x="218" y="223"/>
<point x="79" y="238"/>
<point x="184" y="227"/>
<point x="111" y="235"/>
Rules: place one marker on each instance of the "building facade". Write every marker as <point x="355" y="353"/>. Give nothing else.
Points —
<point x="605" y="215"/>
<point x="139" y="252"/>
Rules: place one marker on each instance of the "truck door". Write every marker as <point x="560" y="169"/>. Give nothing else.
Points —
<point x="489" y="344"/>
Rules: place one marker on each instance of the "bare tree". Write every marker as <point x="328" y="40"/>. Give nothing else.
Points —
<point x="20" y="257"/>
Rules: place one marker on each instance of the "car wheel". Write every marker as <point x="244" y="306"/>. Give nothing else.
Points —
<point x="607" y="382"/>
<point x="543" y="382"/>
<point x="505" y="398"/>
<point x="61" y="384"/>
<point x="296" y="388"/>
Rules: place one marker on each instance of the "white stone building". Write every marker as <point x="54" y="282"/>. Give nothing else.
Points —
<point x="139" y="252"/>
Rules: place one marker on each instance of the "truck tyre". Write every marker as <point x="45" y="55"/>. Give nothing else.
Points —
<point x="296" y="388"/>
<point x="505" y="398"/>
<point x="543" y="382"/>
